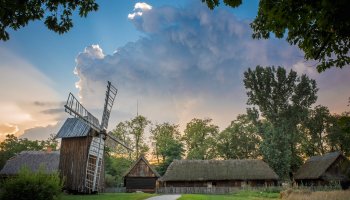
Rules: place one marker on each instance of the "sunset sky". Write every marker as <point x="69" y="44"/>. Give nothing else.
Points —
<point x="177" y="59"/>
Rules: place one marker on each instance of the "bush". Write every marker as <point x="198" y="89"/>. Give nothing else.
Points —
<point x="32" y="185"/>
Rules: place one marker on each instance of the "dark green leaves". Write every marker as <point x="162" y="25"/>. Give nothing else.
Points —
<point x="17" y="14"/>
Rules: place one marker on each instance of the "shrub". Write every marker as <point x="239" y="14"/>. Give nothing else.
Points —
<point x="32" y="185"/>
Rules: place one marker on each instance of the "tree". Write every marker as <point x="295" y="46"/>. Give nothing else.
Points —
<point x="15" y="14"/>
<point x="240" y="140"/>
<point x="320" y="28"/>
<point x="116" y="167"/>
<point x="315" y="130"/>
<point x="199" y="138"/>
<point x="283" y="100"/>
<point x="137" y="129"/>
<point x="166" y="145"/>
<point x="121" y="132"/>
<point x="339" y="133"/>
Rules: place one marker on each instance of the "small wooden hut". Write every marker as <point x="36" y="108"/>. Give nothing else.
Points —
<point x="33" y="160"/>
<point x="141" y="177"/>
<point x="217" y="174"/>
<point x="76" y="140"/>
<point x="324" y="170"/>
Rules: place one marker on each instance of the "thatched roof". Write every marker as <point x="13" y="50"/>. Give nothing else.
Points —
<point x="140" y="159"/>
<point x="201" y="170"/>
<point x="316" y="166"/>
<point x="73" y="127"/>
<point x="33" y="160"/>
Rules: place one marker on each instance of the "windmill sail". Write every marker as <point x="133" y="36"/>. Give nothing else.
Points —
<point x="74" y="108"/>
<point x="110" y="96"/>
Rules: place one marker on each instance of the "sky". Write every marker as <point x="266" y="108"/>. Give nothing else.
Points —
<point x="173" y="60"/>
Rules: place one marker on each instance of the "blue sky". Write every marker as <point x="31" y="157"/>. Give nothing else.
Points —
<point x="179" y="60"/>
<point x="109" y="27"/>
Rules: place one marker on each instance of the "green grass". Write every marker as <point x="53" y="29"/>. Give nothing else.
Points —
<point x="243" y="195"/>
<point x="109" y="196"/>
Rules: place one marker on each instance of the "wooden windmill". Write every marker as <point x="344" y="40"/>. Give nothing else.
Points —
<point x="82" y="147"/>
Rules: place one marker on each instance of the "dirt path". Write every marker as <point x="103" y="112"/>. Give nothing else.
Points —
<point x="166" y="197"/>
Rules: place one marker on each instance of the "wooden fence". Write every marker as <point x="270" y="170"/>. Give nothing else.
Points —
<point x="115" y="190"/>
<point x="197" y="190"/>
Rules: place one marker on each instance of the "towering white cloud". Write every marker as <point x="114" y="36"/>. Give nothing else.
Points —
<point x="189" y="63"/>
<point x="139" y="9"/>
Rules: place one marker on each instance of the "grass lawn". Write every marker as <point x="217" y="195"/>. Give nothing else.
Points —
<point x="243" y="195"/>
<point x="109" y="196"/>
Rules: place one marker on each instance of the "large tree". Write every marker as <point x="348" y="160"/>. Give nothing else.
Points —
<point x="320" y="28"/>
<point x="240" y="140"/>
<point x="163" y="137"/>
<point x="199" y="137"/>
<point x="121" y="132"/>
<point x="15" y="14"/>
<point x="136" y="128"/>
<point x="166" y="145"/>
<point x="339" y="133"/>
<point x="284" y="100"/>
<point x="315" y="131"/>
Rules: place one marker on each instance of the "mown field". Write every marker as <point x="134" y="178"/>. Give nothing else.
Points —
<point x="243" y="195"/>
<point x="109" y="196"/>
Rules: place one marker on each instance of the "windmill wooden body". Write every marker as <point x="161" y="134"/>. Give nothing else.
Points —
<point x="82" y="147"/>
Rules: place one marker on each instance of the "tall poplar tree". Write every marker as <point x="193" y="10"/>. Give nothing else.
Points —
<point x="284" y="100"/>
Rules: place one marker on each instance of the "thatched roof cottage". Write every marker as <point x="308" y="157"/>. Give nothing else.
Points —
<point x="218" y="173"/>
<point x="141" y="177"/>
<point x="33" y="160"/>
<point x="323" y="170"/>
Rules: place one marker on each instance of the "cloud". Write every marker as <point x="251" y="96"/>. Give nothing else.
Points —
<point x="24" y="89"/>
<point x="6" y="129"/>
<point x="139" y="8"/>
<point x="189" y="63"/>
<point x="41" y="132"/>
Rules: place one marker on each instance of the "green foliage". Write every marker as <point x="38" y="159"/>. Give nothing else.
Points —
<point x="213" y="3"/>
<point x="199" y="137"/>
<point x="240" y="140"/>
<point x="13" y="145"/>
<point x="121" y="133"/>
<point x="115" y="168"/>
<point x="137" y="128"/>
<point x="339" y="133"/>
<point x="132" y="134"/>
<point x="284" y="101"/>
<point x="321" y="29"/>
<point x="167" y="145"/>
<point x="16" y="14"/>
<point x="315" y="129"/>
<point x="32" y="185"/>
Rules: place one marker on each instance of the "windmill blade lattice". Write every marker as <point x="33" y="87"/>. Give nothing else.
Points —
<point x="74" y="108"/>
<point x="110" y="96"/>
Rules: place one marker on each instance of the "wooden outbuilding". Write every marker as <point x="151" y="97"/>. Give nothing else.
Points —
<point x="32" y="160"/>
<point x="216" y="174"/>
<point x="331" y="168"/>
<point x="77" y="138"/>
<point x="141" y="177"/>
